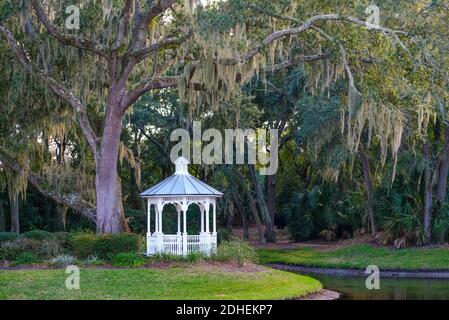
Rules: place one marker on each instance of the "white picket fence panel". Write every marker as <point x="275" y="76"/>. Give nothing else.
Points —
<point x="173" y="244"/>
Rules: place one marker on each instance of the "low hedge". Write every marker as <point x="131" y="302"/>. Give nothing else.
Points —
<point x="128" y="260"/>
<point x="8" y="236"/>
<point x="84" y="245"/>
<point x="38" y="235"/>
<point x="43" y="249"/>
<point x="26" y="258"/>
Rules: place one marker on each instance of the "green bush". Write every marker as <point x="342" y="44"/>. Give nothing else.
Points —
<point x="26" y="258"/>
<point x="195" y="257"/>
<point x="83" y="244"/>
<point x="235" y="251"/>
<point x="128" y="259"/>
<point x="38" y="235"/>
<point x="8" y="236"/>
<point x="63" y="238"/>
<point x="44" y="249"/>
<point x="109" y="245"/>
<point x="223" y="235"/>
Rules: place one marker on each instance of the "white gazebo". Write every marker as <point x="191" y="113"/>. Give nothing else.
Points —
<point x="181" y="189"/>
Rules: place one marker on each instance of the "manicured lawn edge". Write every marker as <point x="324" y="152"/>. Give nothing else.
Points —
<point x="358" y="257"/>
<point x="173" y="283"/>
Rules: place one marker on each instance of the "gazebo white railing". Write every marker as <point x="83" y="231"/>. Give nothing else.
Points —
<point x="181" y="190"/>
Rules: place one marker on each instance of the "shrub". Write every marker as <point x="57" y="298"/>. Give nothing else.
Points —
<point x="63" y="260"/>
<point x="38" y="235"/>
<point x="94" y="261"/>
<point x="44" y="249"/>
<point x="104" y="246"/>
<point x="63" y="238"/>
<point x="128" y="259"/>
<point x="8" y="236"/>
<point x="26" y="258"/>
<point x="83" y="244"/>
<point x="236" y="251"/>
<point x="195" y="257"/>
<point x="109" y="245"/>
<point x="223" y="235"/>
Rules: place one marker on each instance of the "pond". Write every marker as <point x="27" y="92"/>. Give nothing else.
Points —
<point x="353" y="288"/>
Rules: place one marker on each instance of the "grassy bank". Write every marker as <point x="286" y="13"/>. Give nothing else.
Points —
<point x="360" y="256"/>
<point x="193" y="282"/>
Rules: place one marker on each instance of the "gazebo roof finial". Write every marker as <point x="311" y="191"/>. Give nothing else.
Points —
<point x="181" y="166"/>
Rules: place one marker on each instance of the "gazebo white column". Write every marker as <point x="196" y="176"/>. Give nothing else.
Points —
<point x="214" y="217"/>
<point x="178" y="210"/>
<point x="156" y="220"/>
<point x="202" y="218"/>
<point x="160" y="207"/>
<point x="148" y="227"/>
<point x="207" y="215"/>
<point x="184" y="225"/>
<point x="148" y="217"/>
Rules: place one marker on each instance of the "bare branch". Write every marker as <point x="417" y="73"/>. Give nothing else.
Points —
<point x="309" y="24"/>
<point x="147" y="85"/>
<point x="142" y="21"/>
<point x="67" y="39"/>
<point x="147" y="51"/>
<point x="55" y="86"/>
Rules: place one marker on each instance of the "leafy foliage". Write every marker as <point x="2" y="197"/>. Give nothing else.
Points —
<point x="128" y="259"/>
<point x="235" y="251"/>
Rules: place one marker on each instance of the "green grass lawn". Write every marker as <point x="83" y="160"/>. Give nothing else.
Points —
<point x="360" y="256"/>
<point x="169" y="283"/>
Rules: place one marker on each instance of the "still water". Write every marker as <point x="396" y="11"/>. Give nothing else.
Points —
<point x="353" y="288"/>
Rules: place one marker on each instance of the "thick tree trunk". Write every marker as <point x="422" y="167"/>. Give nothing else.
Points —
<point x="368" y="187"/>
<point x="427" y="216"/>
<point x="108" y="189"/>
<point x="15" y="224"/>
<point x="270" y="235"/>
<point x="443" y="168"/>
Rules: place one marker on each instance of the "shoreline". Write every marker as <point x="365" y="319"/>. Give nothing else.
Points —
<point x="420" y="274"/>
<point x="322" y="295"/>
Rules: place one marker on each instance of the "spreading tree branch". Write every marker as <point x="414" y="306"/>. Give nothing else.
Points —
<point x="67" y="39"/>
<point x="72" y="201"/>
<point x="310" y="24"/>
<point x="56" y="87"/>
<point x="123" y="24"/>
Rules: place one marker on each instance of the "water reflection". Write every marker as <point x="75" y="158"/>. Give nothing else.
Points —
<point x="353" y="288"/>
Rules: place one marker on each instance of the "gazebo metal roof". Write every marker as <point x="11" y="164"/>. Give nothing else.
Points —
<point x="181" y="183"/>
